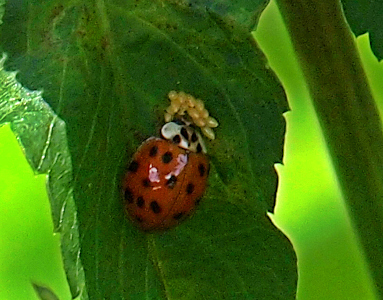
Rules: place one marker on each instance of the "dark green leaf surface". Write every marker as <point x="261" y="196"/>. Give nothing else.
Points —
<point x="366" y="16"/>
<point x="243" y="12"/>
<point x="106" y="68"/>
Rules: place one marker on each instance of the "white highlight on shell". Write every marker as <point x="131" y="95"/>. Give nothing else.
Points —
<point x="153" y="174"/>
<point x="182" y="160"/>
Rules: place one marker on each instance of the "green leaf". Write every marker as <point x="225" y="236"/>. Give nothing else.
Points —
<point x="2" y="4"/>
<point x="366" y="16"/>
<point x="42" y="136"/>
<point x="243" y="12"/>
<point x="106" y="68"/>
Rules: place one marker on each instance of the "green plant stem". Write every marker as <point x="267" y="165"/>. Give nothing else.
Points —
<point x="347" y="114"/>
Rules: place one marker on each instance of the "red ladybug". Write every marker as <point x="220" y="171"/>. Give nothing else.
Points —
<point x="166" y="178"/>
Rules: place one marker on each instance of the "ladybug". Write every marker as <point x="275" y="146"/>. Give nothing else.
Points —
<point x="166" y="178"/>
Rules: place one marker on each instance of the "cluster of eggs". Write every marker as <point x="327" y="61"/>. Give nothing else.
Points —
<point x="182" y="104"/>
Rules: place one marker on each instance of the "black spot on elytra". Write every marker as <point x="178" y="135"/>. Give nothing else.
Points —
<point x="155" y="207"/>
<point x="128" y="195"/>
<point x="176" y="139"/>
<point x="146" y="182"/>
<point x="171" y="182"/>
<point x="153" y="151"/>
<point x="139" y="219"/>
<point x="167" y="157"/>
<point x="184" y="133"/>
<point x="199" y="148"/>
<point x="140" y="202"/>
<point x="190" y="188"/>
<point x="201" y="170"/>
<point x="178" y="216"/>
<point x="194" y="137"/>
<point x="133" y="167"/>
